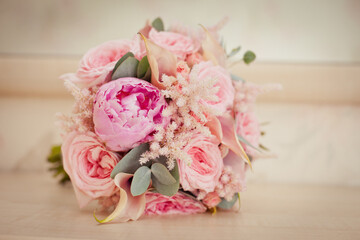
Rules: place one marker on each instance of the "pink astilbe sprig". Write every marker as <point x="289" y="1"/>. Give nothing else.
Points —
<point x="187" y="115"/>
<point x="229" y="184"/>
<point x="81" y="117"/>
<point x="247" y="92"/>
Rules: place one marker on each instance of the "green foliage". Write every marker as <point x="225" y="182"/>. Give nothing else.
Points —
<point x="234" y="51"/>
<point x="243" y="140"/>
<point x="122" y="59"/>
<point x="237" y="78"/>
<point x="140" y="181"/>
<point x="161" y="173"/>
<point x="127" y="68"/>
<point x="130" y="162"/>
<point x="228" y="204"/>
<point x="249" y="57"/>
<point x="264" y="148"/>
<point x="167" y="189"/>
<point x="144" y="70"/>
<point x="55" y="159"/>
<point x="158" y="24"/>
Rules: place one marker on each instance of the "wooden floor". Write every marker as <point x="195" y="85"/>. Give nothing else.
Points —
<point x="33" y="206"/>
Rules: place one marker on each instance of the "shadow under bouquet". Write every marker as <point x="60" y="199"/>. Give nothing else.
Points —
<point x="159" y="125"/>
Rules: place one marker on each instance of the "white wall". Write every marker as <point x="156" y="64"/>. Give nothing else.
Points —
<point x="277" y="30"/>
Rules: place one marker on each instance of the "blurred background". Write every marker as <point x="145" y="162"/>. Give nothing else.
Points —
<point x="311" y="47"/>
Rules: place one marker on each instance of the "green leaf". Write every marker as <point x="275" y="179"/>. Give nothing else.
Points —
<point x="249" y="57"/>
<point x="140" y="181"/>
<point x="122" y="59"/>
<point x="158" y="24"/>
<point x="130" y="162"/>
<point x="228" y="204"/>
<point x="147" y="76"/>
<point x="263" y="147"/>
<point x="55" y="159"/>
<point x="127" y="68"/>
<point x="168" y="190"/>
<point x="162" y="174"/>
<point x="237" y="78"/>
<point x="143" y="67"/>
<point x="241" y="139"/>
<point x="233" y="52"/>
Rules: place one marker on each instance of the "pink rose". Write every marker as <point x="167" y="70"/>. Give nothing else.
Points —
<point x="226" y="92"/>
<point x="247" y="126"/>
<point x="211" y="199"/>
<point x="158" y="204"/>
<point x="176" y="43"/>
<point x="98" y="62"/>
<point x="126" y="111"/>
<point x="88" y="164"/>
<point x="206" y="167"/>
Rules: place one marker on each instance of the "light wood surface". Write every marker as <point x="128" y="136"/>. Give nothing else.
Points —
<point x="33" y="206"/>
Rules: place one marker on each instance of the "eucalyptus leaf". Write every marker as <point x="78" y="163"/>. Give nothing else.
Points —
<point x="140" y="181"/>
<point x="128" y="68"/>
<point x="162" y="174"/>
<point x="158" y="24"/>
<point x="234" y="52"/>
<point x="168" y="190"/>
<point x="147" y="76"/>
<point x="128" y="54"/>
<point x="241" y="139"/>
<point x="237" y="78"/>
<point x="143" y="67"/>
<point x="249" y="57"/>
<point x="228" y="204"/>
<point x="130" y="162"/>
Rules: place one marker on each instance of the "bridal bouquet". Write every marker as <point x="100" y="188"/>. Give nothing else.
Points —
<point x="159" y="125"/>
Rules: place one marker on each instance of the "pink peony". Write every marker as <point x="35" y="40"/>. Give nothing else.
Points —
<point x="226" y="92"/>
<point x="126" y="111"/>
<point x="247" y="126"/>
<point x="88" y="164"/>
<point x="176" y="43"/>
<point x="98" y="62"/>
<point x="158" y="204"/>
<point x="211" y="199"/>
<point x="206" y="166"/>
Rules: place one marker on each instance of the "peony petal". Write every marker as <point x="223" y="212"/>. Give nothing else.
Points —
<point x="212" y="50"/>
<point x="214" y="126"/>
<point x="129" y="207"/>
<point x="161" y="62"/>
<point x="229" y="137"/>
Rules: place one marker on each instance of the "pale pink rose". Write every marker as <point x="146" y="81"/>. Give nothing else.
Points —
<point x="126" y="112"/>
<point x="98" y="62"/>
<point x="176" y="43"/>
<point x="206" y="166"/>
<point x="211" y="199"/>
<point x="226" y="91"/>
<point x="158" y="204"/>
<point x="88" y="164"/>
<point x="248" y="127"/>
